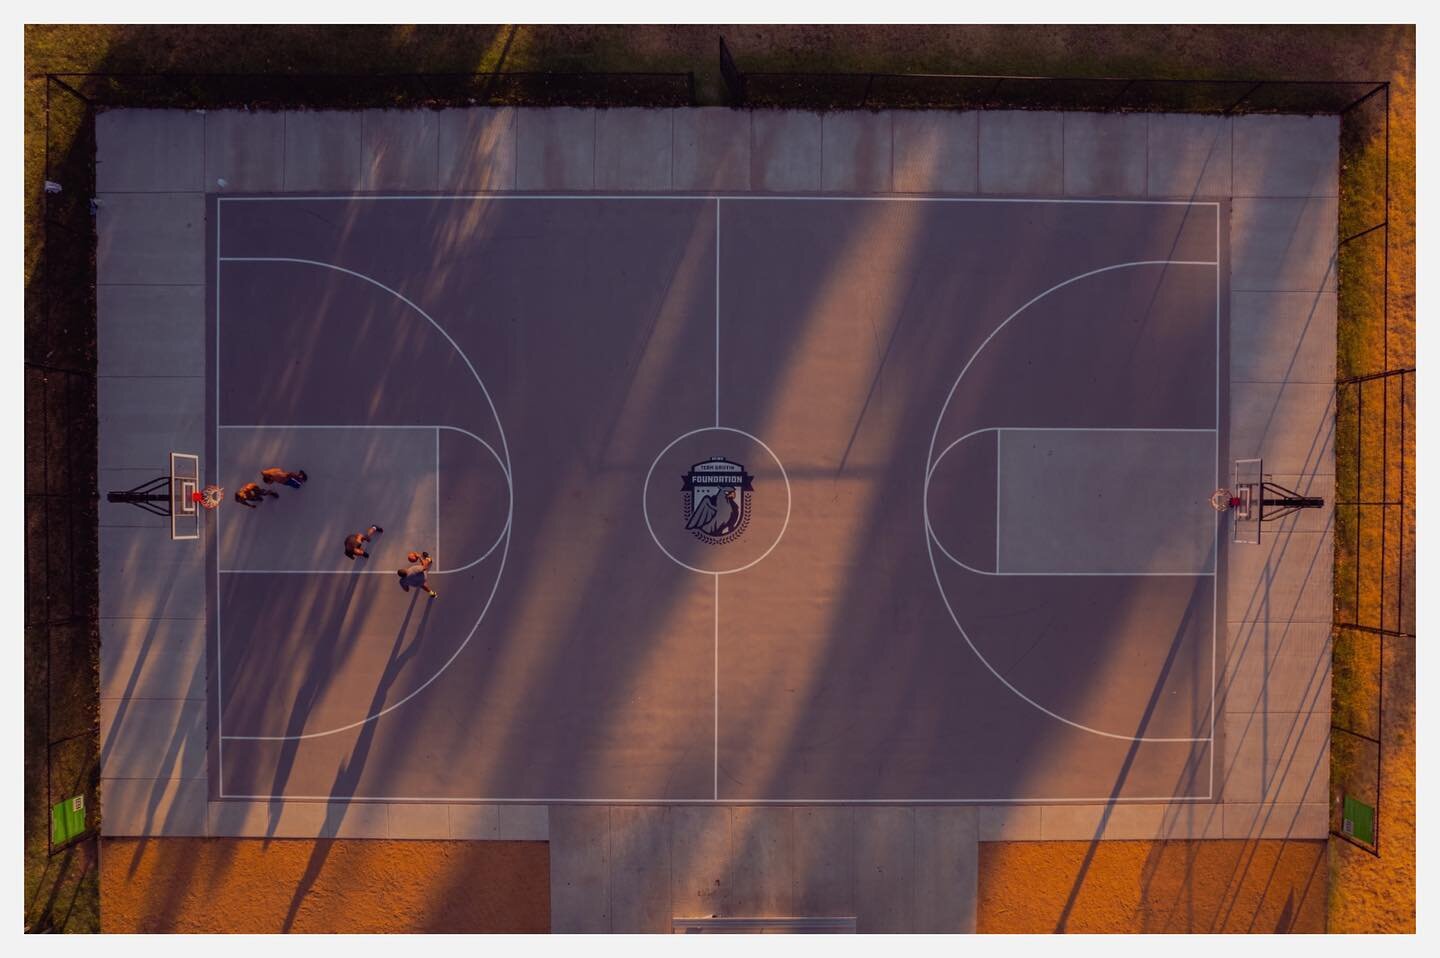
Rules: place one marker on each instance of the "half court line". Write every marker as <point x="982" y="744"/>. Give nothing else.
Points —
<point x="717" y="689"/>
<point x="717" y="310"/>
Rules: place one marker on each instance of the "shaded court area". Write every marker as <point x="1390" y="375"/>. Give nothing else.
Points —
<point x="746" y="499"/>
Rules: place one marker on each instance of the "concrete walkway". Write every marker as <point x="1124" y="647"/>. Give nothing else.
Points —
<point x="626" y="868"/>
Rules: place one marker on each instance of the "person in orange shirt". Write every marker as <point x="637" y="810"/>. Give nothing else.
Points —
<point x="251" y="495"/>
<point x="284" y="477"/>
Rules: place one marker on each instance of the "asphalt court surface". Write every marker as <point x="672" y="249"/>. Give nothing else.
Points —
<point x="964" y="553"/>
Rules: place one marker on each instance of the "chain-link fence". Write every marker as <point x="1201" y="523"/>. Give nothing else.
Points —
<point x="1375" y="378"/>
<point x="405" y="90"/>
<point x="61" y="557"/>
<point x="1375" y="391"/>
<point x="921" y="91"/>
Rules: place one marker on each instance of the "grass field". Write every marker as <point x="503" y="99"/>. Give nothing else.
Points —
<point x="61" y="637"/>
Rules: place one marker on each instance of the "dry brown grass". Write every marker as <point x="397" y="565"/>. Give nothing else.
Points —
<point x="1370" y="893"/>
<point x="1106" y="887"/>
<point x="253" y="886"/>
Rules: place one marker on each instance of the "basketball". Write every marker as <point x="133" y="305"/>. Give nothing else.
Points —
<point x="413" y="556"/>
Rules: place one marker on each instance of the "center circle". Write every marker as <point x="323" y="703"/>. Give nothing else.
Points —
<point x="683" y="490"/>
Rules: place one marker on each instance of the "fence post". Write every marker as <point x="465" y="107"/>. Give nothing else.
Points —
<point x="734" y="79"/>
<point x="1234" y="106"/>
<point x="1121" y="95"/>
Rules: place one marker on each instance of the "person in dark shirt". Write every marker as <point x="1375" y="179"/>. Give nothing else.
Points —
<point x="355" y="544"/>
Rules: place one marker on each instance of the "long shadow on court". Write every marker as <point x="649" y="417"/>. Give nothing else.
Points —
<point x="348" y="774"/>
<point x="324" y="629"/>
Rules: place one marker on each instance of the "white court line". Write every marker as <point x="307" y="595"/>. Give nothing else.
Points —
<point x="436" y="546"/>
<point x="717" y="690"/>
<point x="998" y="430"/>
<point x="1219" y="481"/>
<point x="717" y="310"/>
<point x="930" y="538"/>
<point x="219" y="677"/>
<point x="716" y="665"/>
<point x="504" y="462"/>
<point x="400" y="296"/>
<point x="695" y="197"/>
<point x="349" y="425"/>
<point x="433" y="800"/>
<point x="908" y="199"/>
<point x="505" y="530"/>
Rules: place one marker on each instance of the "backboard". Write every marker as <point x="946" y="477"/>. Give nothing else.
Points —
<point x="1249" y="512"/>
<point x="184" y="483"/>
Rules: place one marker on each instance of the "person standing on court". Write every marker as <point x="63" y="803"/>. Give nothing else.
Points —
<point x="355" y="544"/>
<point x="284" y="477"/>
<point x="250" y="495"/>
<point x="414" y="574"/>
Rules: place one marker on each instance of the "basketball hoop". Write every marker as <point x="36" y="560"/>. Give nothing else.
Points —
<point x="1221" y="500"/>
<point x="209" y="497"/>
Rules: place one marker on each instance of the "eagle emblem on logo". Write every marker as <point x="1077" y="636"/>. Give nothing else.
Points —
<point x="717" y="500"/>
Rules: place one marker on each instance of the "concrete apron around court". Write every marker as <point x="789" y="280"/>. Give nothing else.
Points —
<point x="1280" y="175"/>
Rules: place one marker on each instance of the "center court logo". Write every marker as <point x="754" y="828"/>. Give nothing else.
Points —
<point x="717" y="494"/>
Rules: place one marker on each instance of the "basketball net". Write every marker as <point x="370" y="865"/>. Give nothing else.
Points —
<point x="1221" y="500"/>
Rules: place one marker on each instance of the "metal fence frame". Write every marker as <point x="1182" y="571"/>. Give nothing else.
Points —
<point x="875" y="91"/>
<point x="56" y="601"/>
<point x="676" y="89"/>
<point x="1382" y="628"/>
<point x="397" y="90"/>
<point x="1386" y="625"/>
<point x="971" y="91"/>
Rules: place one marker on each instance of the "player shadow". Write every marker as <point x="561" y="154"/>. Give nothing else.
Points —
<point x="325" y="629"/>
<point x="527" y="569"/>
<point x="179" y="738"/>
<point x="1259" y="618"/>
<point x="1131" y="753"/>
<point x="552" y="675"/>
<point x="347" y="776"/>
<point x="1185" y="819"/>
<point x="914" y="417"/>
<point x="856" y="612"/>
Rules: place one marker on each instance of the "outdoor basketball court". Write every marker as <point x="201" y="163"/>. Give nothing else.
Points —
<point x="961" y="545"/>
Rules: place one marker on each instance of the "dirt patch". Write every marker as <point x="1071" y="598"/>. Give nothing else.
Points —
<point x="352" y="886"/>
<point x="1154" y="887"/>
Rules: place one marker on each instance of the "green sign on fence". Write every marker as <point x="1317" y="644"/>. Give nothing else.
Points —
<point x="1358" y="821"/>
<point x="67" y="819"/>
